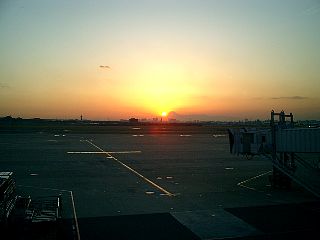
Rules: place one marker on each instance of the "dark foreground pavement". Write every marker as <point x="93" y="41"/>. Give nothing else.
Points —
<point x="113" y="202"/>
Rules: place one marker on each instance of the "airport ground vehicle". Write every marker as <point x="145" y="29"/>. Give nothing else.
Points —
<point x="25" y="215"/>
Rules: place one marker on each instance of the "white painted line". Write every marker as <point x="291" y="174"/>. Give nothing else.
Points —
<point x="75" y="215"/>
<point x="103" y="152"/>
<point x="134" y="171"/>
<point x="229" y="168"/>
<point x="150" y="192"/>
<point x="219" y="135"/>
<point x="44" y="188"/>
<point x="126" y="152"/>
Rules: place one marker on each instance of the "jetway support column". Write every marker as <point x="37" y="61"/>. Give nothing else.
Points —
<point x="283" y="159"/>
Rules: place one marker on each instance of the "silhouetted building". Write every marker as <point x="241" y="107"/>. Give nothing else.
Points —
<point x="133" y="120"/>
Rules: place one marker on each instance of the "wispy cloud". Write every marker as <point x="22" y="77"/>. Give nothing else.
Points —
<point x="312" y="10"/>
<point x="104" y="67"/>
<point x="3" y="85"/>
<point x="292" y="98"/>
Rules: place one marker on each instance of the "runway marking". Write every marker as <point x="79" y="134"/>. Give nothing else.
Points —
<point x="72" y="201"/>
<point x="103" y="152"/>
<point x="75" y="215"/>
<point x="241" y="184"/>
<point x="244" y="186"/>
<point x="133" y="171"/>
<point x="150" y="192"/>
<point x="219" y="135"/>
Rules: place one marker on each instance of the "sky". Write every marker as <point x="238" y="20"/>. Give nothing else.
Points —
<point x="107" y="60"/>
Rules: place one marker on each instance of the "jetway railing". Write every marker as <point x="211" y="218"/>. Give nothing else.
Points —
<point x="282" y="143"/>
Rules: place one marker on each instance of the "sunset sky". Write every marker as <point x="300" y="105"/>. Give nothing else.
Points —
<point x="231" y="59"/>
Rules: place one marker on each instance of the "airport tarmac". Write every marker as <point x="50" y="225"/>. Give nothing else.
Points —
<point x="121" y="186"/>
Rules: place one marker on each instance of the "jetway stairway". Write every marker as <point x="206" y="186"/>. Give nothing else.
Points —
<point x="294" y="152"/>
<point x="300" y="171"/>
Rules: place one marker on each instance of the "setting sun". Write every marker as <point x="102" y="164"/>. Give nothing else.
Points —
<point x="151" y="64"/>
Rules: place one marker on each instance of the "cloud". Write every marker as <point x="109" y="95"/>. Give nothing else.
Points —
<point x="3" y="85"/>
<point x="104" y="67"/>
<point x="292" y="98"/>
<point x="312" y="10"/>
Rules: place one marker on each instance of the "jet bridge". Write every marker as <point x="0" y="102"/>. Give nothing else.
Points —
<point x="294" y="152"/>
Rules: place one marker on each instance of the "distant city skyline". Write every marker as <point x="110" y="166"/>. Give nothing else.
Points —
<point x="121" y="59"/>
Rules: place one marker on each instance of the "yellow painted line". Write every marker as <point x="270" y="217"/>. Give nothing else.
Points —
<point x="241" y="184"/>
<point x="244" y="186"/>
<point x="103" y="152"/>
<point x="134" y="171"/>
<point x="260" y="175"/>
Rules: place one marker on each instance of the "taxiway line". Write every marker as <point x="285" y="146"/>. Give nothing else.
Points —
<point x="103" y="152"/>
<point x="241" y="184"/>
<point x="260" y="175"/>
<point x="133" y="171"/>
<point x="75" y="215"/>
